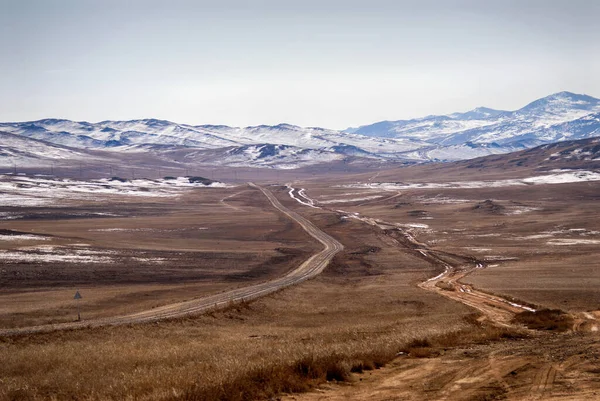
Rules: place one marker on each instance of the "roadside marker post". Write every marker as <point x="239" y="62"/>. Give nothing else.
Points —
<point x="77" y="297"/>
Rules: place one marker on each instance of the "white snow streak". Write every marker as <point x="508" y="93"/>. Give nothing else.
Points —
<point x="291" y="193"/>
<point x="558" y="178"/>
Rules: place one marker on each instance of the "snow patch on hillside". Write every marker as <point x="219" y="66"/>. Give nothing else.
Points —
<point x="456" y="136"/>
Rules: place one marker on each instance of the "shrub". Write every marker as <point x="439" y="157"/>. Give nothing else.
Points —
<point x="545" y="319"/>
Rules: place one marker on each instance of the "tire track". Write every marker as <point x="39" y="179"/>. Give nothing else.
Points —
<point x="543" y="381"/>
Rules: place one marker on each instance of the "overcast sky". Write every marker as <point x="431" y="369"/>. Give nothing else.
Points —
<point x="312" y="63"/>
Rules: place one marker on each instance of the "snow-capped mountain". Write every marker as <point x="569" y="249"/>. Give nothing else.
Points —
<point x="479" y="132"/>
<point x="467" y="150"/>
<point x="143" y="132"/>
<point x="27" y="152"/>
<point x="260" y="155"/>
<point x="478" y="113"/>
<point x="220" y="145"/>
<point x="544" y="120"/>
<point x="107" y="134"/>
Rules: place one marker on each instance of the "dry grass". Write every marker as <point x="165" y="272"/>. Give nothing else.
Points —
<point x="445" y="286"/>
<point x="298" y="376"/>
<point x="264" y="382"/>
<point x="357" y="316"/>
<point x="158" y="253"/>
<point x="534" y="229"/>
<point x="545" y="319"/>
<point x="475" y="333"/>
<point x="198" y="358"/>
<point x="354" y="317"/>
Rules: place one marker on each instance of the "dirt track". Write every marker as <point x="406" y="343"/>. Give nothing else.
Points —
<point x="532" y="369"/>
<point x="539" y="368"/>
<point x="495" y="309"/>
<point x="310" y="268"/>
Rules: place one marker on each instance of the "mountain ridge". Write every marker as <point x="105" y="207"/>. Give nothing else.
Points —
<point x="457" y="136"/>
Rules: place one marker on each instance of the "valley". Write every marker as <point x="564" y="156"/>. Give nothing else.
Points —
<point x="445" y="291"/>
<point x="299" y="201"/>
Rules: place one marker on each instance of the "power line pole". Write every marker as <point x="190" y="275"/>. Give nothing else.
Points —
<point x="77" y="297"/>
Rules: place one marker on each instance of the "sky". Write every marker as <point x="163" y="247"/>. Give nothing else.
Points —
<point x="332" y="64"/>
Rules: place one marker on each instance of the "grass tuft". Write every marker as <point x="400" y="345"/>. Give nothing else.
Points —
<point x="545" y="319"/>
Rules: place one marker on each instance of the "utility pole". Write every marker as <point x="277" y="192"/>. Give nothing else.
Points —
<point x="77" y="297"/>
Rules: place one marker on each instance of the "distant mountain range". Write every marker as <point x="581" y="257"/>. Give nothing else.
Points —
<point x="457" y="136"/>
<point x="554" y="118"/>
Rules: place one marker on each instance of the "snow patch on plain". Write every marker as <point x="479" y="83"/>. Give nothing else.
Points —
<point x="43" y="257"/>
<point x="348" y="200"/>
<point x="499" y="258"/>
<point x="573" y="241"/>
<point x="22" y="237"/>
<point x="480" y="249"/>
<point x="42" y="191"/>
<point x="440" y="200"/>
<point x="558" y="178"/>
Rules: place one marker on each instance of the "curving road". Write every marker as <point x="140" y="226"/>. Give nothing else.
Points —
<point x="308" y="269"/>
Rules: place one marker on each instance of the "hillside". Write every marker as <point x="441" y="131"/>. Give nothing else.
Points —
<point x="458" y="136"/>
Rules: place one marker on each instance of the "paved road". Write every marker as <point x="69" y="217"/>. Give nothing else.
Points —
<point x="310" y="268"/>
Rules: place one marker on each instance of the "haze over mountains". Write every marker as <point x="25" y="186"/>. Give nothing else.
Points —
<point x="458" y="136"/>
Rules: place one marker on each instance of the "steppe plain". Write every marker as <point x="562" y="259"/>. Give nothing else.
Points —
<point x="432" y="296"/>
